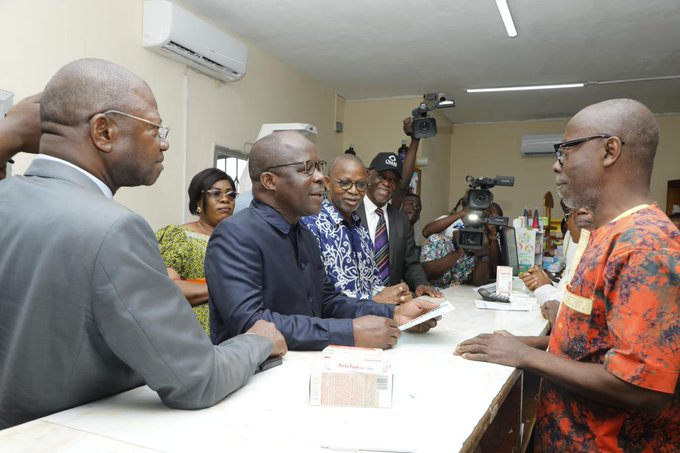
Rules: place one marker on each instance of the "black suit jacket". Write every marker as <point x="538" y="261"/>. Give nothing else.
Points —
<point x="404" y="259"/>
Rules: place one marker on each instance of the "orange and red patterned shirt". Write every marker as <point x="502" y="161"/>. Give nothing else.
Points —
<point x="620" y="310"/>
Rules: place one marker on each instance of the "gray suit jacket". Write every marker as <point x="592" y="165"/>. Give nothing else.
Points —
<point x="87" y="309"/>
<point x="404" y="259"/>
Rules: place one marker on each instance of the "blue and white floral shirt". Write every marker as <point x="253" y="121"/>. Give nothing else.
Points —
<point x="346" y="251"/>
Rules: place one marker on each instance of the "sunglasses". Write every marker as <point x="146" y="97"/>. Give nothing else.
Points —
<point x="217" y="194"/>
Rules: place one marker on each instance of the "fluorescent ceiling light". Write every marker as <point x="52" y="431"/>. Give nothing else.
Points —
<point x="525" y="88"/>
<point x="507" y="18"/>
<point x="569" y="85"/>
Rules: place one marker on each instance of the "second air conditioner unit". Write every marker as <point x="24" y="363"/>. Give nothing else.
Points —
<point x="539" y="145"/>
<point x="177" y="34"/>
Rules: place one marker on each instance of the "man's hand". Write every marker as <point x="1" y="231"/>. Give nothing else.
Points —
<point x="408" y="126"/>
<point x="395" y="294"/>
<point x="499" y="347"/>
<point x="427" y="290"/>
<point x="375" y="332"/>
<point x="20" y="129"/>
<point x="268" y="330"/>
<point x="411" y="310"/>
<point x="549" y="311"/>
<point x="534" y="278"/>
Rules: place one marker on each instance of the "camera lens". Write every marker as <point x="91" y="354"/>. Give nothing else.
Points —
<point x="480" y="199"/>
<point x="424" y="127"/>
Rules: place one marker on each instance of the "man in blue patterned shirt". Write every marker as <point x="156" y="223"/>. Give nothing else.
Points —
<point x="346" y="247"/>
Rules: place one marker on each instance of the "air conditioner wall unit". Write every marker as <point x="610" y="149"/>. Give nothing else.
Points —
<point x="177" y="34"/>
<point x="540" y="145"/>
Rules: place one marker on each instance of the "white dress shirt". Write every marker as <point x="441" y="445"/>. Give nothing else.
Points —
<point x="103" y="187"/>
<point x="372" y="218"/>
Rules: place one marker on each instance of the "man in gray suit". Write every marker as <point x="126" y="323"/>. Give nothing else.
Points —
<point x="399" y="260"/>
<point x="86" y="307"/>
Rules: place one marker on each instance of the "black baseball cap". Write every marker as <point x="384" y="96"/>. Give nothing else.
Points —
<point x="386" y="161"/>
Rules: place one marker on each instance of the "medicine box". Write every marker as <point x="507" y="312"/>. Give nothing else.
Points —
<point x="347" y="376"/>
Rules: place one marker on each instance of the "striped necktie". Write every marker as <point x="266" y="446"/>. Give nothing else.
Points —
<point x="381" y="248"/>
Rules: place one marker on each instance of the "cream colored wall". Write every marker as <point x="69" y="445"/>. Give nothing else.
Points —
<point x="40" y="36"/>
<point x="667" y="160"/>
<point x="375" y="126"/>
<point x="490" y="150"/>
<point x="494" y="149"/>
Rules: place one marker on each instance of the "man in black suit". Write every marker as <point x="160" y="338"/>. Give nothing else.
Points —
<point x="399" y="259"/>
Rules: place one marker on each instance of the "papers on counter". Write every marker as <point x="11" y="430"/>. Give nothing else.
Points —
<point x="518" y="302"/>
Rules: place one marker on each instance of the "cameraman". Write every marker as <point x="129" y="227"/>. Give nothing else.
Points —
<point x="445" y="264"/>
<point x="409" y="166"/>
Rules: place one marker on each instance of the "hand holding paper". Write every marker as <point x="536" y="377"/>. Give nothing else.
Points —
<point x="426" y="314"/>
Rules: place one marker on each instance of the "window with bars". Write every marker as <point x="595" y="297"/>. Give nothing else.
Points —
<point x="232" y="162"/>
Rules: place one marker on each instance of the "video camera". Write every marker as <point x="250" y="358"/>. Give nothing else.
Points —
<point x="471" y="236"/>
<point x="424" y="125"/>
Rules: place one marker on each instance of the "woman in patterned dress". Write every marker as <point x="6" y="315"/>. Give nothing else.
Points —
<point x="212" y="197"/>
<point x="445" y="264"/>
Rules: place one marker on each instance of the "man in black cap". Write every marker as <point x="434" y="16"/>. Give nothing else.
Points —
<point x="395" y="252"/>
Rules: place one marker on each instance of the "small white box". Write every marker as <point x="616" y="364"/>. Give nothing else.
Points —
<point x="356" y="377"/>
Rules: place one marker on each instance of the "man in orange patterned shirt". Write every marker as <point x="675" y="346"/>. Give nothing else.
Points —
<point x="610" y="378"/>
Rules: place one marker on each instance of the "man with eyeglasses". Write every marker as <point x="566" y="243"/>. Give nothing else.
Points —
<point x="262" y="263"/>
<point x="395" y="252"/>
<point x="346" y="247"/>
<point x="610" y="377"/>
<point x="87" y="308"/>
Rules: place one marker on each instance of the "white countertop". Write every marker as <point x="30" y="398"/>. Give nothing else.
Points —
<point x="438" y="400"/>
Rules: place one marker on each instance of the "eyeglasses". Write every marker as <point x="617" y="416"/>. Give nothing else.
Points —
<point x="310" y="166"/>
<point x="217" y="194"/>
<point x="346" y="184"/>
<point x="560" y="148"/>
<point x="163" y="131"/>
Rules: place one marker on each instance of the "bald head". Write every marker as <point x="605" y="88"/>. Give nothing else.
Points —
<point x="122" y="148"/>
<point x="275" y="149"/>
<point x="85" y="87"/>
<point x="344" y="161"/>
<point x="629" y="120"/>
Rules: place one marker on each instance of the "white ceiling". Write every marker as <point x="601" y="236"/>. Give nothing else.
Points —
<point x="365" y="49"/>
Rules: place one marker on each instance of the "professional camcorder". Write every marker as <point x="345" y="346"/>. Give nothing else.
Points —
<point x="471" y="236"/>
<point x="424" y="125"/>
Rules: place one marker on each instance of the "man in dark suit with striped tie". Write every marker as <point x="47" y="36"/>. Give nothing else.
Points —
<point x="396" y="255"/>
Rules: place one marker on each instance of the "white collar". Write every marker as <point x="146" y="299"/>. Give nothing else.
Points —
<point x="371" y="207"/>
<point x="103" y="187"/>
